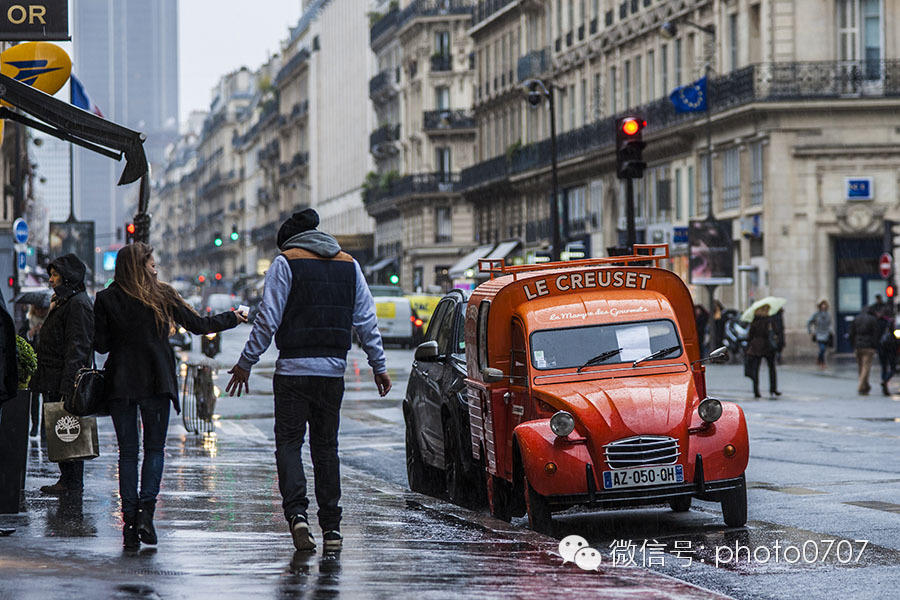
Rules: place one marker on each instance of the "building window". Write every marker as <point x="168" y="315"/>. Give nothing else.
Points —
<point x="612" y="90"/>
<point x="733" y="40"/>
<point x="638" y="73"/>
<point x="678" y="194"/>
<point x="442" y="43"/>
<point x="731" y="178"/>
<point x="677" y="61"/>
<point x="664" y="67"/>
<point x="559" y="15"/>
<point x="691" y="196"/>
<point x="756" y="174"/>
<point x="584" y="104"/>
<point x="704" y="183"/>
<point x="572" y="106"/>
<point x="626" y="84"/>
<point x="442" y="162"/>
<point x="443" y="225"/>
<point x="860" y="33"/>
<point x="598" y="110"/>
<point x="651" y="75"/>
<point x="442" y="97"/>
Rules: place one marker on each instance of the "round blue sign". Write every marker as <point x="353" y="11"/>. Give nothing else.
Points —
<point x="20" y="230"/>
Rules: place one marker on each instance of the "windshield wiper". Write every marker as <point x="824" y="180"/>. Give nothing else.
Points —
<point x="599" y="358"/>
<point x="657" y="354"/>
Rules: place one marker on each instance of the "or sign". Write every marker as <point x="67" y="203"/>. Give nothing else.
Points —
<point x="859" y="188"/>
<point x="47" y="20"/>
<point x="884" y="265"/>
<point x="712" y="253"/>
<point x="20" y="230"/>
<point x="21" y="261"/>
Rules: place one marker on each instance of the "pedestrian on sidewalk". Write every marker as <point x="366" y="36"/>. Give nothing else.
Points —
<point x="819" y="326"/>
<point x="701" y="320"/>
<point x="865" y="333"/>
<point x="763" y="344"/>
<point x="887" y="347"/>
<point x="314" y="295"/>
<point x="64" y="347"/>
<point x="136" y="315"/>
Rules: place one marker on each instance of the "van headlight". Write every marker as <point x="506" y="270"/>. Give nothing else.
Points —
<point x="710" y="410"/>
<point x="562" y="423"/>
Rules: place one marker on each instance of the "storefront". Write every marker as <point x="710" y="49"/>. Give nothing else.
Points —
<point x="857" y="282"/>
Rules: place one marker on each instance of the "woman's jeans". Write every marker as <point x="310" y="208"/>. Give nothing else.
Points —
<point x="155" y="418"/>
<point x="822" y="347"/>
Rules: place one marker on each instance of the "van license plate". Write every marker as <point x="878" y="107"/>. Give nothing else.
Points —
<point x="623" y="478"/>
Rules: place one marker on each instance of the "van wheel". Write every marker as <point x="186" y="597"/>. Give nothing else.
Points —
<point x="539" y="515"/>
<point x="459" y="489"/>
<point x="734" y="505"/>
<point x="421" y="477"/>
<point x="680" y="503"/>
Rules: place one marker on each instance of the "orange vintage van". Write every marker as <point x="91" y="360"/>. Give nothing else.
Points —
<point x="586" y="387"/>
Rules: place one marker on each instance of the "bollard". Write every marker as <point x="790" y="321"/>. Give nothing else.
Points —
<point x="14" y="416"/>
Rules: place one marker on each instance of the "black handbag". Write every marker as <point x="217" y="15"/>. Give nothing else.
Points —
<point x="89" y="396"/>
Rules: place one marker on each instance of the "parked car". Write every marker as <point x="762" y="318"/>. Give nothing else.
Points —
<point x="397" y="321"/>
<point x="586" y="387"/>
<point x="436" y="411"/>
<point x="218" y="303"/>
<point x="424" y="306"/>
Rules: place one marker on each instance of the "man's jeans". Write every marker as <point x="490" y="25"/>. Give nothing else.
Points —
<point x="155" y="417"/>
<point x="317" y="401"/>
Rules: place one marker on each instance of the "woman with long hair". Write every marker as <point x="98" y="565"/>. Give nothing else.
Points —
<point x="134" y="317"/>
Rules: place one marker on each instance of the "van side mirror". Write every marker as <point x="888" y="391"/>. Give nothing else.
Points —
<point x="427" y="351"/>
<point x="719" y="355"/>
<point x="491" y="375"/>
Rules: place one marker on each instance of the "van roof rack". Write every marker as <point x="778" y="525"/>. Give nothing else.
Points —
<point x="642" y="253"/>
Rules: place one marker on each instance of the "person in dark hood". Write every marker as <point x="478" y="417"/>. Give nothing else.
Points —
<point x="135" y="317"/>
<point x="314" y="296"/>
<point x="64" y="347"/>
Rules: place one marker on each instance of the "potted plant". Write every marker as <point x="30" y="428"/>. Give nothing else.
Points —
<point x="26" y="360"/>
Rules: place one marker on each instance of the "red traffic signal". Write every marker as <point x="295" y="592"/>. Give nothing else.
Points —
<point x="218" y="277"/>
<point x="629" y="147"/>
<point x="130" y="228"/>
<point x="631" y="126"/>
<point x="11" y="281"/>
<point x="889" y="292"/>
<point x="201" y="278"/>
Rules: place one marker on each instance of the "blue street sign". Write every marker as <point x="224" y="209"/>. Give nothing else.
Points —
<point x="22" y="258"/>
<point x="20" y="230"/>
<point x="859" y="188"/>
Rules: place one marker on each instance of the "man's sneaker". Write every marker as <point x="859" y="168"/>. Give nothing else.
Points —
<point x="303" y="539"/>
<point x="332" y="541"/>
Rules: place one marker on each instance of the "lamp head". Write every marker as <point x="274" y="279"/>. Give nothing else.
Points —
<point x="534" y="92"/>
<point x="668" y="29"/>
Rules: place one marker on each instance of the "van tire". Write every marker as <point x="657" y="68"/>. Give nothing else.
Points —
<point x="680" y="503"/>
<point x="539" y="515"/>
<point x="734" y="505"/>
<point x="498" y="497"/>
<point x="421" y="477"/>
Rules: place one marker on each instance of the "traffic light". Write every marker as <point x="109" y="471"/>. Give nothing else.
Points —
<point x="889" y="291"/>
<point x="630" y="147"/>
<point x="234" y="233"/>
<point x="201" y="279"/>
<point x="218" y="277"/>
<point x="217" y="240"/>
<point x="11" y="282"/>
<point x="129" y="233"/>
<point x="394" y="279"/>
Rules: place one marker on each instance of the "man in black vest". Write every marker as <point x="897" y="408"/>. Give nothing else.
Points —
<point x="315" y="294"/>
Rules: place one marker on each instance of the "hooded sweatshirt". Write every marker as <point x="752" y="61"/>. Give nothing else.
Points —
<point x="278" y="285"/>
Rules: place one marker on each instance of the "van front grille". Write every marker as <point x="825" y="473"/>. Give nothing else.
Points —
<point x="641" y="451"/>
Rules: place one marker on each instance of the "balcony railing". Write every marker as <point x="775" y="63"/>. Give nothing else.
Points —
<point x="534" y="64"/>
<point x="384" y="135"/>
<point x="300" y="159"/>
<point x="441" y="120"/>
<point x="421" y="183"/>
<point x="441" y="62"/>
<point x="434" y="8"/>
<point x="769" y="82"/>
<point x="292" y="65"/>
<point x="300" y="109"/>
<point x="383" y="24"/>
<point x="486" y="8"/>
<point x="383" y="82"/>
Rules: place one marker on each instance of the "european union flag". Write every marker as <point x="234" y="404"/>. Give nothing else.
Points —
<point x="691" y="97"/>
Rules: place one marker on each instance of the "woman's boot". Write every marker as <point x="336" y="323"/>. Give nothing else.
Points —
<point x="145" y="528"/>
<point x="130" y="539"/>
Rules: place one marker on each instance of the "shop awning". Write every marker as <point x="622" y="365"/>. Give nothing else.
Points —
<point x="379" y="264"/>
<point x="469" y="261"/>
<point x="503" y="249"/>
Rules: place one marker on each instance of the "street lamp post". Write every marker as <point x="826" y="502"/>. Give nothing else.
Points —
<point x="537" y="91"/>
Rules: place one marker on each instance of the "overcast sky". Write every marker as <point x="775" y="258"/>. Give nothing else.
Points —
<point x="219" y="36"/>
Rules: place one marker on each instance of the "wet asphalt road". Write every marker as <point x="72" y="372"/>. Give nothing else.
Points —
<point x="818" y="472"/>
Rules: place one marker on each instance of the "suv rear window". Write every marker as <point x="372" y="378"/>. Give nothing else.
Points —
<point x="571" y="347"/>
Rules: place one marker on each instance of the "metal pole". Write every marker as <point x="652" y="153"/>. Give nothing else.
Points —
<point x="709" y="187"/>
<point x="629" y="214"/>
<point x="71" y="184"/>
<point x="554" y="201"/>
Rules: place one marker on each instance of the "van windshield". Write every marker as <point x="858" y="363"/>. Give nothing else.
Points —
<point x="572" y="347"/>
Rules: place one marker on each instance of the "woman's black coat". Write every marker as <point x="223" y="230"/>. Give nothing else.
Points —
<point x="141" y="362"/>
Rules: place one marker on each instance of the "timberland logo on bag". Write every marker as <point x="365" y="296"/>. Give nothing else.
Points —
<point x="68" y="428"/>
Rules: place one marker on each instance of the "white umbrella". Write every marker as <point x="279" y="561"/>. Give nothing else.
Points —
<point x="773" y="302"/>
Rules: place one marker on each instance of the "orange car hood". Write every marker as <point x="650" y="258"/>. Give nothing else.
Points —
<point x="657" y="404"/>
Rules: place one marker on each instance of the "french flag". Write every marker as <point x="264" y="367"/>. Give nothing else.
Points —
<point x="80" y="98"/>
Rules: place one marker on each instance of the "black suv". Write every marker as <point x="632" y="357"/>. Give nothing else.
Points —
<point x="436" y="410"/>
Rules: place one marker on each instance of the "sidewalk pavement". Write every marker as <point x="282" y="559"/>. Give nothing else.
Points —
<point x="222" y="535"/>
